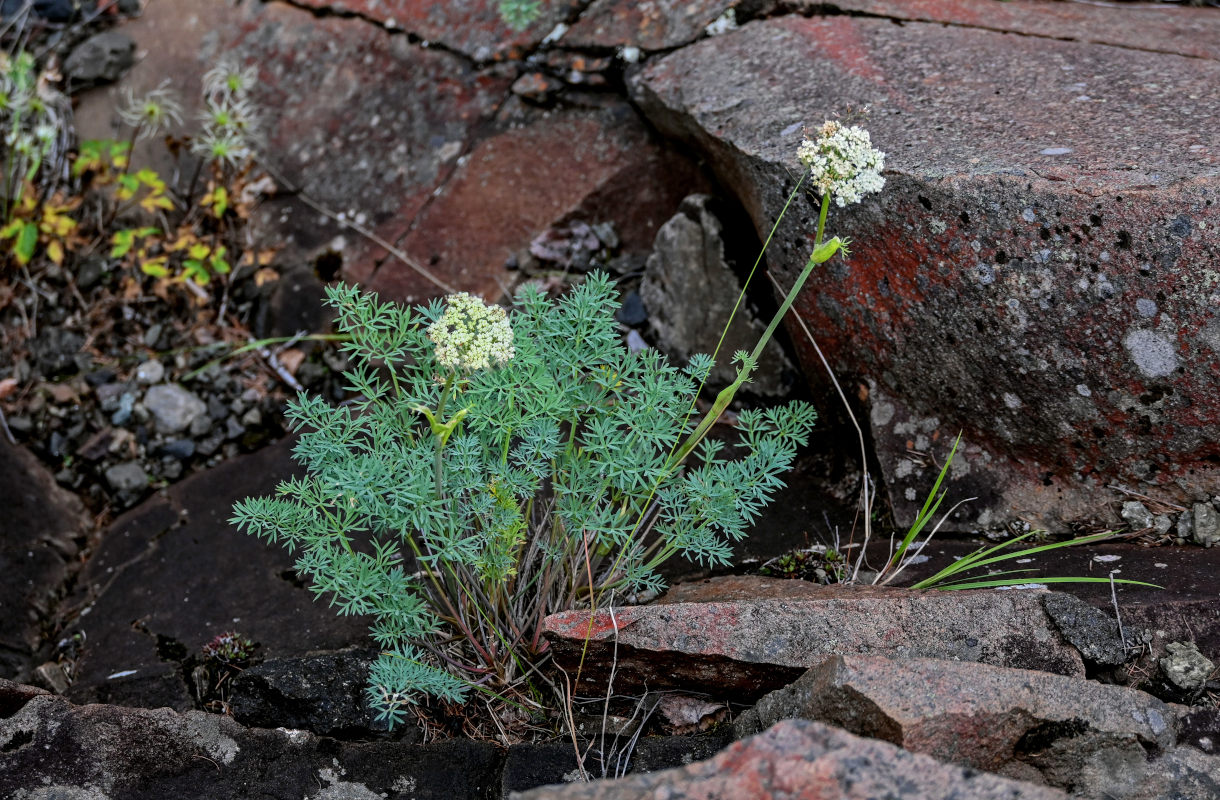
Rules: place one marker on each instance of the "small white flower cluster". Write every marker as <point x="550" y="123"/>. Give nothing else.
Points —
<point x="471" y="335"/>
<point x="843" y="163"/>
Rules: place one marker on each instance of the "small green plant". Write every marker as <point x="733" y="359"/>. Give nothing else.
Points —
<point x="230" y="647"/>
<point x="498" y="467"/>
<point x="520" y="14"/>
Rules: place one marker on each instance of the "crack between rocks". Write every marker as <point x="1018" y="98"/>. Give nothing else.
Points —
<point x="327" y="12"/>
<point x="832" y="10"/>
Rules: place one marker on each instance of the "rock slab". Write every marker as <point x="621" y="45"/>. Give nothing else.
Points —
<point x="742" y="649"/>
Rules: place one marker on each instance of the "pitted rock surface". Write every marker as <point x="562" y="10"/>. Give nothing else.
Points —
<point x="1044" y="286"/>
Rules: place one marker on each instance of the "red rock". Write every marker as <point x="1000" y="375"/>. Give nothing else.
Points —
<point x="799" y="760"/>
<point x="648" y="25"/>
<point x="743" y="648"/>
<point x="1033" y="274"/>
<point x="516" y="184"/>
<point x="472" y="27"/>
<point x="1154" y="27"/>
<point x="365" y="122"/>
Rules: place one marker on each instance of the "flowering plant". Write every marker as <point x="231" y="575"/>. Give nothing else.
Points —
<point x="500" y="466"/>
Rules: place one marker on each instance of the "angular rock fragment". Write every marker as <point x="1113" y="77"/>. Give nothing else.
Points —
<point x="1086" y="628"/>
<point x="810" y="761"/>
<point x="690" y="292"/>
<point x="744" y="648"/>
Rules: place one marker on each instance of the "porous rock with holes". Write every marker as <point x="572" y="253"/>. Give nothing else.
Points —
<point x="1039" y="271"/>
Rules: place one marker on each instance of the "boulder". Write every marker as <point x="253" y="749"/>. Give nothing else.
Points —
<point x="503" y="195"/>
<point x="1039" y="286"/>
<point x="1029" y="725"/>
<point x="806" y="761"/>
<point x="740" y="649"/>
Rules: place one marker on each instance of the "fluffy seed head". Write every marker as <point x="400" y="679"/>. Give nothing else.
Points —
<point x="471" y="335"/>
<point x="843" y="163"/>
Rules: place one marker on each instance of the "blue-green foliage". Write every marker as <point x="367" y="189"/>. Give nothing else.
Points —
<point x="560" y="470"/>
<point x="520" y="14"/>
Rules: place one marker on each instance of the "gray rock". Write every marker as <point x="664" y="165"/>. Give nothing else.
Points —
<point x="1162" y="523"/>
<point x="50" y="748"/>
<point x="1206" y="524"/>
<point x="200" y="425"/>
<point x="1185" y="667"/>
<point x="102" y="58"/>
<point x="173" y="407"/>
<point x="150" y="372"/>
<point x="128" y="476"/>
<point x="233" y="428"/>
<point x="1032" y="725"/>
<point x="252" y="418"/>
<point x="319" y="692"/>
<point x="1091" y="631"/>
<point x="1137" y="515"/>
<point x="179" y="448"/>
<point x="690" y="291"/>
<point x="1186" y="526"/>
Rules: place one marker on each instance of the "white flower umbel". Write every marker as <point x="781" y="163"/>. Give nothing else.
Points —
<point x="471" y="335"/>
<point x="843" y="163"/>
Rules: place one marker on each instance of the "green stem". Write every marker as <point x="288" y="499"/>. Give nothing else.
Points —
<point x="820" y="254"/>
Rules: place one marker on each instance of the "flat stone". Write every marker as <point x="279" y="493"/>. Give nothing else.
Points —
<point x="741" y="649"/>
<point x="51" y="748"/>
<point x="177" y="567"/>
<point x="976" y="715"/>
<point x="173" y="407"/>
<point x="39" y="530"/>
<point x="810" y="761"/>
<point x="1155" y="27"/>
<point x="648" y="25"/>
<point x="1003" y="253"/>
